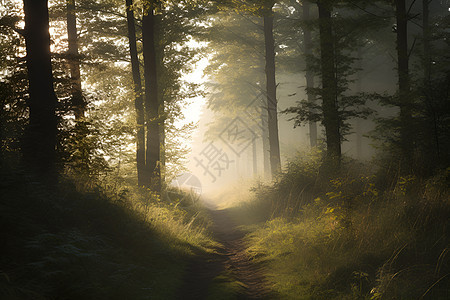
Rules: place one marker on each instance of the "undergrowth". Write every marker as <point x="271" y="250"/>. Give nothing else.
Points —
<point x="71" y="241"/>
<point x="349" y="236"/>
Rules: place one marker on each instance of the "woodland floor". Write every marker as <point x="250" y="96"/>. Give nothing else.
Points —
<point x="229" y="273"/>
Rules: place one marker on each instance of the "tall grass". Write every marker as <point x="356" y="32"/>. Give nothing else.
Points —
<point x="351" y="237"/>
<point x="73" y="242"/>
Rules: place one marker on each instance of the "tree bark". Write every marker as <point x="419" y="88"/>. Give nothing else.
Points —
<point x="78" y="102"/>
<point x="138" y="100"/>
<point x="254" y="158"/>
<point x="406" y="132"/>
<point x="275" y="161"/>
<point x="331" y="120"/>
<point x="427" y="75"/>
<point x="265" y="140"/>
<point x="152" y="154"/>
<point x="358" y="122"/>
<point x="162" y="115"/>
<point x="426" y="41"/>
<point x="309" y="74"/>
<point x="40" y="140"/>
<point x="162" y="135"/>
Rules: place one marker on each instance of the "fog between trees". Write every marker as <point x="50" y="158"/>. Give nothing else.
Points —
<point x="320" y="132"/>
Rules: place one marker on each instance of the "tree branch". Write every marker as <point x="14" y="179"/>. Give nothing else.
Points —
<point x="10" y="22"/>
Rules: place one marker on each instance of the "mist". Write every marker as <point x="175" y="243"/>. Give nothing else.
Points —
<point x="277" y="149"/>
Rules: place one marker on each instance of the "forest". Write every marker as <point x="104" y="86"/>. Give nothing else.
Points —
<point x="224" y="149"/>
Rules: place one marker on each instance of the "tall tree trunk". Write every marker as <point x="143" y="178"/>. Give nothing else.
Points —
<point x="274" y="145"/>
<point x="331" y="120"/>
<point x="309" y="74"/>
<point x="161" y="113"/>
<point x="406" y="131"/>
<point x="358" y="123"/>
<point x="255" y="158"/>
<point x="162" y="134"/>
<point x="78" y="103"/>
<point x="426" y="41"/>
<point x="152" y="154"/>
<point x="265" y="140"/>
<point x="40" y="140"/>
<point x="427" y="75"/>
<point x="138" y="100"/>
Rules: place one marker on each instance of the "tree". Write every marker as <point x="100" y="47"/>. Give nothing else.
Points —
<point x="13" y="84"/>
<point x="78" y="101"/>
<point x="426" y="40"/>
<point x="261" y="51"/>
<point x="309" y="74"/>
<point x="331" y="120"/>
<point x="236" y="68"/>
<point x="41" y="136"/>
<point x="271" y="86"/>
<point x="175" y="28"/>
<point x="404" y="88"/>
<point x="138" y="101"/>
<point x="431" y="112"/>
<point x="341" y="34"/>
<point x="153" y="148"/>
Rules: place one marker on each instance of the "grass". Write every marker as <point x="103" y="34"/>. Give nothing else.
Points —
<point x="349" y="237"/>
<point x="353" y="235"/>
<point x="73" y="242"/>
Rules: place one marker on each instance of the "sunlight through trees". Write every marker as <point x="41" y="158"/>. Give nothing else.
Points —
<point x="224" y="149"/>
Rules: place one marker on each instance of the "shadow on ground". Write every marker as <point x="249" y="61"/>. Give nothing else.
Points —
<point x="228" y="273"/>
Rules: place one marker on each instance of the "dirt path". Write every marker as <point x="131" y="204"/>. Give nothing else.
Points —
<point x="230" y="260"/>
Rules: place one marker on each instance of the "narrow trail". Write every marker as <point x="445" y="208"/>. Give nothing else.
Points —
<point x="231" y="259"/>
